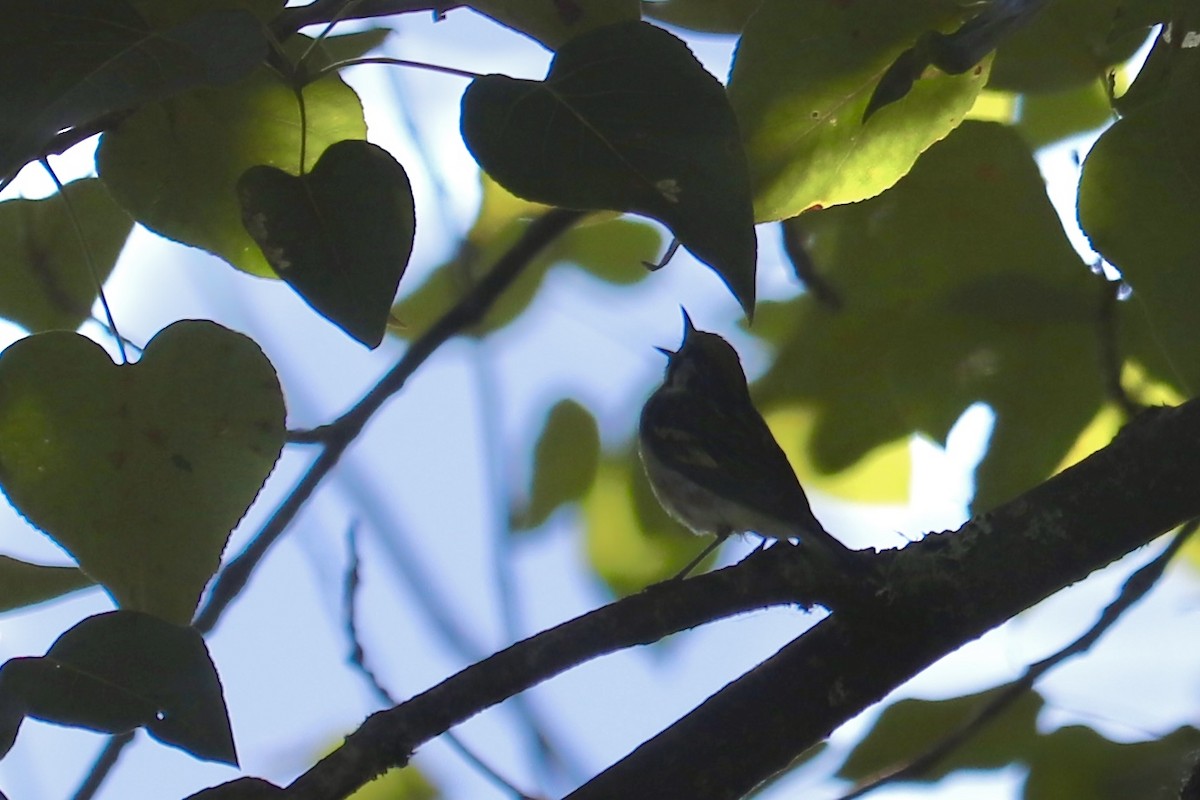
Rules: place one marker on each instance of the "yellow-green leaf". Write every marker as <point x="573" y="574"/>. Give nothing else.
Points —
<point x="140" y="471"/>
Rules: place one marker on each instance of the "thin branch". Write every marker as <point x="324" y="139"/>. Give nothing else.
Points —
<point x="395" y="62"/>
<point x="103" y="765"/>
<point x="358" y="661"/>
<point x="1134" y="589"/>
<point x="342" y="432"/>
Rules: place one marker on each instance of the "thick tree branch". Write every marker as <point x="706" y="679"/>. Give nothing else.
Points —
<point x="388" y="738"/>
<point x="939" y="595"/>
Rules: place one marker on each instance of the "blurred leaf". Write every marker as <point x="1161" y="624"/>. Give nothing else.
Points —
<point x="626" y="120"/>
<point x="992" y="106"/>
<point x="399" y="784"/>
<point x="801" y="107"/>
<point x="117" y="671"/>
<point x="164" y="15"/>
<point x="555" y="23"/>
<point x="175" y="165"/>
<point x="46" y="282"/>
<point x="339" y="235"/>
<point x="880" y="476"/>
<point x="707" y="16"/>
<point x="1139" y="203"/>
<point x="65" y="63"/>
<point x="23" y="584"/>
<point x="993" y="305"/>
<point x="140" y="471"/>
<point x="1049" y="117"/>
<point x="1078" y="762"/>
<point x="564" y="462"/>
<point x="612" y="250"/>
<point x="1072" y="43"/>
<point x="1070" y="762"/>
<point x="908" y="727"/>
<point x="631" y="542"/>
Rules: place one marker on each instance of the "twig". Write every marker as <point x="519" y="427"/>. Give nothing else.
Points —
<point x="342" y="432"/>
<point x="358" y="660"/>
<point x="1136" y="587"/>
<point x="102" y="766"/>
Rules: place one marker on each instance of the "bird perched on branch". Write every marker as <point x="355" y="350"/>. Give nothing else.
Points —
<point x="711" y="459"/>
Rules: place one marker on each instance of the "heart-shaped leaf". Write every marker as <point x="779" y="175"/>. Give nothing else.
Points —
<point x="628" y="120"/>
<point x="140" y="471"/>
<point x="340" y="235"/>
<point x="118" y="671"/>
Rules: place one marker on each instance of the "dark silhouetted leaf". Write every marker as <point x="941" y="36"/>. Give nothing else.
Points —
<point x="340" y="235"/>
<point x="64" y="63"/>
<point x="121" y="670"/>
<point x="627" y="120"/>
<point x="175" y="165"/>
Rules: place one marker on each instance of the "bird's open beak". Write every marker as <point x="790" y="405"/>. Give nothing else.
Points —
<point x="665" y="351"/>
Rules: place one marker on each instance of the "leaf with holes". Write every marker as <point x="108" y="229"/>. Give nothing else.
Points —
<point x="340" y="235"/>
<point x="118" y="671"/>
<point x="140" y="471"/>
<point x="628" y="120"/>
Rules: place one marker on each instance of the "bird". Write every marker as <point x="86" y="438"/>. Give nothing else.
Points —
<point x="713" y="463"/>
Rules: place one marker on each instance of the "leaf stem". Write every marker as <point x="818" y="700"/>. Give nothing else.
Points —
<point x="395" y="62"/>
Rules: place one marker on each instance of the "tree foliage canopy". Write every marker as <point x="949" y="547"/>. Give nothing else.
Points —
<point x="891" y="148"/>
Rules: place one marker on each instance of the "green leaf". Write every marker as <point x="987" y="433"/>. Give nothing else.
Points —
<point x="708" y="16"/>
<point x="992" y="305"/>
<point x="118" y="671"/>
<point x="626" y="120"/>
<point x="339" y="235"/>
<point x="1071" y="43"/>
<point x="907" y="727"/>
<point x="802" y="77"/>
<point x="1139" y="203"/>
<point x="398" y="784"/>
<point x="564" y="462"/>
<point x="175" y="165"/>
<point x="140" y="471"/>
<point x="631" y="542"/>
<point x="23" y="584"/>
<point x="46" y="282"/>
<point x="1070" y="762"/>
<point x="64" y="63"/>
<point x="553" y="24"/>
